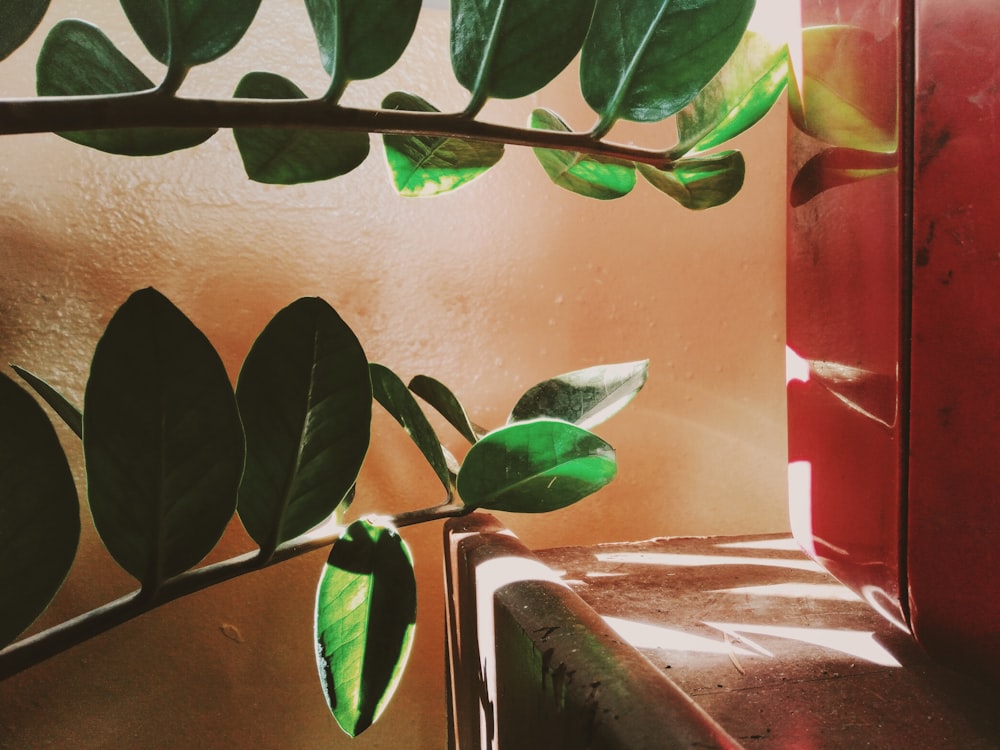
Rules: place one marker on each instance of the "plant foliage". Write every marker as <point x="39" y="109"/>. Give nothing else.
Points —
<point x="640" y="60"/>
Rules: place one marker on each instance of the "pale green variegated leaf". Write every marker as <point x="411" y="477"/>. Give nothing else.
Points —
<point x="590" y="176"/>
<point x="507" y="49"/>
<point x="289" y="156"/>
<point x="66" y="411"/>
<point x="584" y="397"/>
<point x="162" y="440"/>
<point x="198" y="31"/>
<point x="736" y="98"/>
<point x="78" y="59"/>
<point x="701" y="181"/>
<point x="644" y="60"/>
<point x="360" y="39"/>
<point x="427" y="165"/>
<point x="396" y="399"/>
<point x="535" y="467"/>
<point x="39" y="511"/>
<point x="438" y="395"/>
<point x="366" y="607"/>
<point x="20" y="19"/>
<point x="305" y="398"/>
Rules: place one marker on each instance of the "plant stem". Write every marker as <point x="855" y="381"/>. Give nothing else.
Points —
<point x="35" y="649"/>
<point x="152" y="109"/>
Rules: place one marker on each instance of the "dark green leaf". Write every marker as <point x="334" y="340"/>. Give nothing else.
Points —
<point x="834" y="167"/>
<point x="286" y="156"/>
<point x="391" y="392"/>
<point x="737" y="98"/>
<point x="365" y="614"/>
<point x="77" y="59"/>
<point x="199" y="31"/>
<point x="702" y="181"/>
<point x="438" y="395"/>
<point x="20" y="19"/>
<point x="39" y="511"/>
<point x="430" y="165"/>
<point x="535" y="467"/>
<point x="66" y="411"/>
<point x="360" y="39"/>
<point x="305" y="397"/>
<point x="646" y="59"/>
<point x="584" y="397"/>
<point x="590" y="176"/>
<point x="511" y="48"/>
<point x="842" y="101"/>
<point x="161" y="438"/>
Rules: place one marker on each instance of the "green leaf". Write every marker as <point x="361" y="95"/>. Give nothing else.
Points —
<point x="535" y="467"/>
<point x="366" y="609"/>
<point x="438" y="395"/>
<point x="841" y="101"/>
<point x="20" y="19"/>
<point x="66" y="411"/>
<point x="39" y="511"/>
<point x="700" y="182"/>
<point x="737" y="98"/>
<point x="77" y="59"/>
<point x="360" y="39"/>
<point x="430" y="165"/>
<point x="288" y="156"/>
<point x="590" y="176"/>
<point x="646" y="59"/>
<point x="511" y="48"/>
<point x="305" y="397"/>
<point x="834" y="167"/>
<point x="162" y="440"/>
<point x="390" y="391"/>
<point x="584" y="397"/>
<point x="198" y="32"/>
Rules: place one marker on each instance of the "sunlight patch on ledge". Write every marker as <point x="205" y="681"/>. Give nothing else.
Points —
<point x="700" y="561"/>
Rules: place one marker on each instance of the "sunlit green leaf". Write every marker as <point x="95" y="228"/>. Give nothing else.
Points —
<point x="535" y="467"/>
<point x="834" y="167"/>
<point x="394" y="396"/>
<point x="77" y="59"/>
<point x="590" y="176"/>
<point x="702" y="181"/>
<point x="66" y="411"/>
<point x="646" y="59"/>
<point x="20" y="19"/>
<point x="438" y="395"/>
<point x="737" y="97"/>
<point x="584" y="397"/>
<point x="848" y="95"/>
<point x="39" y="511"/>
<point x="198" y="32"/>
<point x="305" y="397"/>
<point x="511" y="48"/>
<point x="360" y="39"/>
<point x="162" y="440"/>
<point x="423" y="165"/>
<point x="365" y="614"/>
<point x="288" y="156"/>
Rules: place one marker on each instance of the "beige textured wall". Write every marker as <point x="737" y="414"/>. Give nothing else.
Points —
<point x="491" y="289"/>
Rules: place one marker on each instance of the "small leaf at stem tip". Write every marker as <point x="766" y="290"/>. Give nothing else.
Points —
<point x="425" y="166"/>
<point x="396" y="398"/>
<point x="65" y="410"/>
<point x="77" y="59"/>
<point x="366" y="605"/>
<point x="438" y="395"/>
<point x="20" y="19"/>
<point x="584" y="397"/>
<point x="535" y="467"/>
<point x="289" y="156"/>
<point x="39" y="509"/>
<point x="700" y="182"/>
<point x="590" y="176"/>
